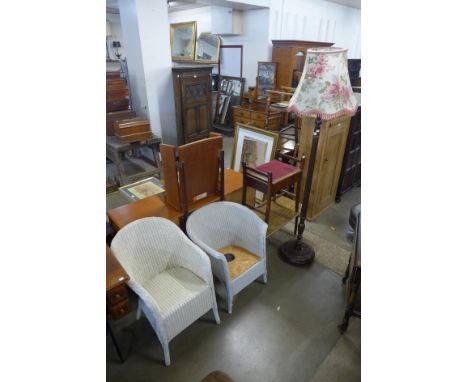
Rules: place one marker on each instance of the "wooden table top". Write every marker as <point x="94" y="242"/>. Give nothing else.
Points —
<point x="155" y="206"/>
<point x="113" y="142"/>
<point x="115" y="274"/>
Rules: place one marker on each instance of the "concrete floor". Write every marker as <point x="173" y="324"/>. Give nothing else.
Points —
<point x="285" y="330"/>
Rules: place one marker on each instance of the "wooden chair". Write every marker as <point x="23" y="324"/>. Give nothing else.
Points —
<point x="274" y="179"/>
<point x="193" y="173"/>
<point x="277" y="100"/>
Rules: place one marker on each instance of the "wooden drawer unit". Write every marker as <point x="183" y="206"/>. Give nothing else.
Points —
<point x="242" y="113"/>
<point x="260" y="124"/>
<point x="120" y="309"/>
<point x="256" y="115"/>
<point x="116" y="291"/>
<point x="240" y="120"/>
<point x="117" y="294"/>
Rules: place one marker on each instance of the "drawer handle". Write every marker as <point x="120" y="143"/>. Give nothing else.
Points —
<point x="122" y="310"/>
<point x="117" y="295"/>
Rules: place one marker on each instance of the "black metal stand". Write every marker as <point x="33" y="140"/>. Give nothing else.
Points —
<point x="295" y="251"/>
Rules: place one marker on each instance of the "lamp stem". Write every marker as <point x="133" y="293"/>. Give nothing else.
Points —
<point x="296" y="251"/>
<point x="308" y="183"/>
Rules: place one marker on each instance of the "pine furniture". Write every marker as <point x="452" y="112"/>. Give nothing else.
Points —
<point x="258" y="115"/>
<point x="328" y="162"/>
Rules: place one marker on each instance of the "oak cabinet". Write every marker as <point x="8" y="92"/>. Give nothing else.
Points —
<point x="192" y="96"/>
<point x="327" y="168"/>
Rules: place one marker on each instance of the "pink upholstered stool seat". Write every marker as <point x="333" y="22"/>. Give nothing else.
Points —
<point x="278" y="169"/>
<point x="272" y="179"/>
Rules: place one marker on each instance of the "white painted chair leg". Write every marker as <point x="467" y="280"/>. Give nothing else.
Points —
<point x="216" y="315"/>
<point x="167" y="357"/>
<point x="264" y="278"/>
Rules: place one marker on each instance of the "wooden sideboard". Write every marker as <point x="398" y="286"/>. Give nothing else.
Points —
<point x="330" y="150"/>
<point x="193" y="102"/>
<point x="256" y="114"/>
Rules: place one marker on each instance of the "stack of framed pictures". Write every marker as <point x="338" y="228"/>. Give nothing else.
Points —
<point x="230" y="91"/>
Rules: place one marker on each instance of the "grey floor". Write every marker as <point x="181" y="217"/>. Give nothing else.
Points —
<point x="285" y="330"/>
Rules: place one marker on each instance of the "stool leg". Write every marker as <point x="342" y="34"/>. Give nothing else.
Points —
<point x="268" y="206"/>
<point x="244" y="187"/>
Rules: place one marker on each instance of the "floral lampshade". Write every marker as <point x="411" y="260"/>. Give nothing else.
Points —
<point x="325" y="89"/>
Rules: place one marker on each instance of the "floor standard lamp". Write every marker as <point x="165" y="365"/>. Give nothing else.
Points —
<point x="324" y="93"/>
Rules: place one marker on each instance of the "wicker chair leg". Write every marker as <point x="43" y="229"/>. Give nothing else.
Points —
<point x="167" y="356"/>
<point x="216" y="315"/>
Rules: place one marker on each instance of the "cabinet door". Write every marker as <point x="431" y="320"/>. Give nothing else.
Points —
<point x="330" y="162"/>
<point x="196" y="102"/>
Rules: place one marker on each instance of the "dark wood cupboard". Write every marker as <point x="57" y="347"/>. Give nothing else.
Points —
<point x="351" y="171"/>
<point x="192" y="96"/>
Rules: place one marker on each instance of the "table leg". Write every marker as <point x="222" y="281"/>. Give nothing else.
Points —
<point x="157" y="161"/>
<point x="121" y="169"/>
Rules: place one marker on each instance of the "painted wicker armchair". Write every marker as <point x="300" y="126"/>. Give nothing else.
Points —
<point x="171" y="276"/>
<point x="223" y="229"/>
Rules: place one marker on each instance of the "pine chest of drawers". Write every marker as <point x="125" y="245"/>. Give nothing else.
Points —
<point x="256" y="115"/>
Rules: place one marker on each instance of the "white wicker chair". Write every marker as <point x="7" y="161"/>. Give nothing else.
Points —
<point x="171" y="276"/>
<point x="222" y="224"/>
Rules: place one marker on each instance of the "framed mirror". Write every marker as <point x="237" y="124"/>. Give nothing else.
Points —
<point x="207" y="49"/>
<point x="266" y="78"/>
<point x="183" y="37"/>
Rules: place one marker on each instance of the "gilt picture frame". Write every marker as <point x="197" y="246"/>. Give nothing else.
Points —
<point x="183" y="39"/>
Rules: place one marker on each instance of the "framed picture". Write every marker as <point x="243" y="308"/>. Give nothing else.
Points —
<point x="183" y="37"/>
<point x="253" y="146"/>
<point x="142" y="189"/>
<point x="207" y="48"/>
<point x="266" y="77"/>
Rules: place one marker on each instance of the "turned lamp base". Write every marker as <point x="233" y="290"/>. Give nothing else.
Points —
<point x="297" y="252"/>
